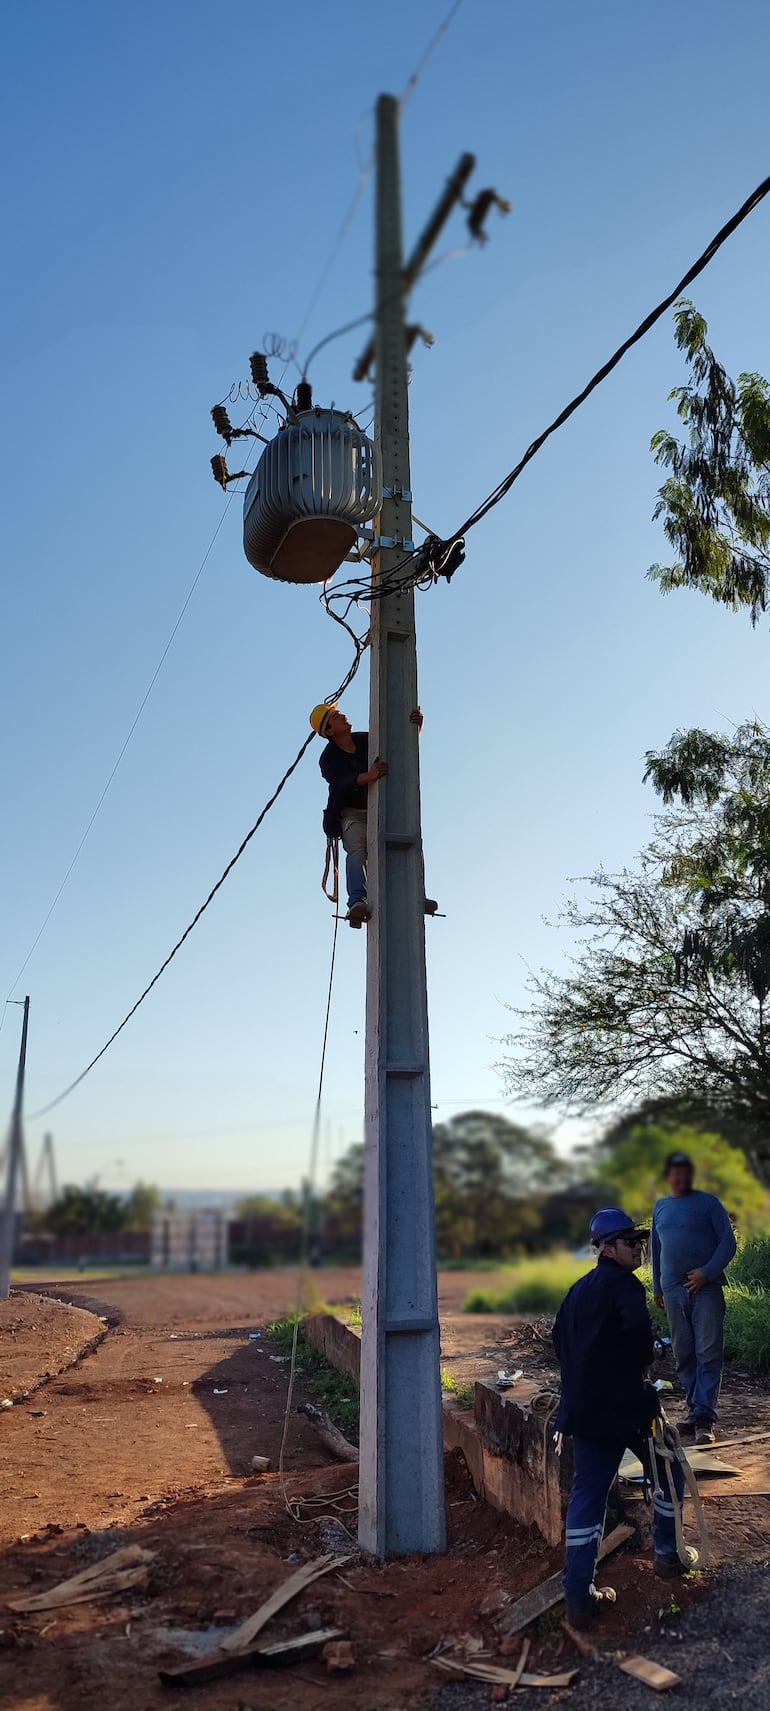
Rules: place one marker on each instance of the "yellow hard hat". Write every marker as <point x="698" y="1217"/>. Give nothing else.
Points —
<point x="319" y="716"/>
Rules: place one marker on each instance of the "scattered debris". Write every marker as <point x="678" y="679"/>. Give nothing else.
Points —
<point x="702" y="1461"/>
<point x="338" y="1657"/>
<point x="290" y="1589"/>
<point x="260" y="1464"/>
<point x="128" y="1567"/>
<point x="495" y="1602"/>
<point x="329" y="1434"/>
<point x="505" y="1380"/>
<point x="581" y="1644"/>
<point x="505" y="1677"/>
<point x="222" y="1663"/>
<point x="218" y="1392"/>
<point x="652" y="1674"/>
<point x="6" y="1402"/>
<point x="551" y="1591"/>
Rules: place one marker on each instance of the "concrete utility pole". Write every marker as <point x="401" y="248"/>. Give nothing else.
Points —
<point x="402" y="1462"/>
<point x="15" y="1150"/>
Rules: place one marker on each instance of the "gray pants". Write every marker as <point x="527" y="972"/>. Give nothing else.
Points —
<point x="696" y="1323"/>
<point x="354" y="845"/>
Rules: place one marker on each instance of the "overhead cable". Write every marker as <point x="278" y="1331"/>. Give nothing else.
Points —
<point x="649" y="321"/>
<point x="410" y="571"/>
<point x="185" y="935"/>
<point x="332" y="699"/>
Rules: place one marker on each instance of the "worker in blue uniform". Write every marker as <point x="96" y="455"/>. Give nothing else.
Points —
<point x="604" y="1340"/>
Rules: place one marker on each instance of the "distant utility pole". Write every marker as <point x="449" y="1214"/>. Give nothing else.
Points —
<point x="15" y="1150"/>
<point x="402" y="1462"/>
<point x="46" y="1166"/>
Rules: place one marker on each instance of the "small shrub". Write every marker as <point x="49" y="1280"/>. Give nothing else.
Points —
<point x="333" y="1390"/>
<point x="752" y="1263"/>
<point x="747" y="1327"/>
<point x="464" y="1394"/>
<point x="534" y="1286"/>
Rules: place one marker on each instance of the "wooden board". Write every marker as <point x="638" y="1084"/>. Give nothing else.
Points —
<point x="243" y="1636"/>
<point x="121" y="1570"/>
<point x="221" y="1663"/>
<point x="550" y="1592"/>
<point x="652" y="1674"/>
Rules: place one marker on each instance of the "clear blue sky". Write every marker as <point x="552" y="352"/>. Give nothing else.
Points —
<point x="174" y="179"/>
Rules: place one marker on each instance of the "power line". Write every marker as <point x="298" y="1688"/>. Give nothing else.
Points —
<point x="429" y="52"/>
<point x="601" y="374"/>
<point x="412" y="571"/>
<point x="323" y="276"/>
<point x="43" y="1111"/>
<point x="366" y="172"/>
<point x="185" y="935"/>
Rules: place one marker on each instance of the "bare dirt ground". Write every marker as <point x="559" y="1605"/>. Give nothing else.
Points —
<point x="148" y="1439"/>
<point x="38" y="1339"/>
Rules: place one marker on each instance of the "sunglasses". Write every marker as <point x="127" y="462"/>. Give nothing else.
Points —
<point x="632" y="1241"/>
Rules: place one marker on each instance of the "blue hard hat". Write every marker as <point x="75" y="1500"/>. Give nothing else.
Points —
<point x="613" y="1221"/>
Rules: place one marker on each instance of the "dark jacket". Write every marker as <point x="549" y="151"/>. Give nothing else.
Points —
<point x="603" y="1338"/>
<point x="341" y="770"/>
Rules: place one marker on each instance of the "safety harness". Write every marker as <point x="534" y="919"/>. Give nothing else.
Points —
<point x="332" y="866"/>
<point x="665" y="1443"/>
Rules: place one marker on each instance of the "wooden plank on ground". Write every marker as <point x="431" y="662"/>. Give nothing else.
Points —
<point x="652" y="1674"/>
<point x="745" y="1438"/>
<point x="243" y="1637"/>
<point x="221" y="1663"/>
<point x="497" y="1677"/>
<point x="123" y="1569"/>
<point x="550" y="1592"/>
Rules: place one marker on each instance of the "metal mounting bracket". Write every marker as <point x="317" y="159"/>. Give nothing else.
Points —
<point x="387" y="541"/>
<point x="397" y="492"/>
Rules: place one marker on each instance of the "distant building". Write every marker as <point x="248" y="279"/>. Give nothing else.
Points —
<point x="189" y="1241"/>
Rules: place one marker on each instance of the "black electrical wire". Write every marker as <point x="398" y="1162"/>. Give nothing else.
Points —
<point x="408" y="572"/>
<point x="360" y="645"/>
<point x="185" y="935"/>
<point x="649" y="321"/>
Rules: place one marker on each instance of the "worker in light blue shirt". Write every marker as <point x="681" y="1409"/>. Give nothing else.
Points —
<point x="692" y="1242"/>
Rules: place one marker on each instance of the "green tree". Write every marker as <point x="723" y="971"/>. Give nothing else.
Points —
<point x="631" y="1156"/>
<point x="142" y="1202"/>
<point x="280" y="1212"/>
<point x="343" y="1206"/>
<point x="488" y="1172"/>
<point x="85" y="1211"/>
<point x="715" y="503"/>
<point x="667" y="993"/>
<point x="489" y="1176"/>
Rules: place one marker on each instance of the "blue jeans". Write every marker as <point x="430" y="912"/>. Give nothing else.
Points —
<point x="596" y="1465"/>
<point x="696" y="1323"/>
<point x="354" y="845"/>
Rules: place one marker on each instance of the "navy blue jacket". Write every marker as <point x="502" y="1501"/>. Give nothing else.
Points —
<point x="341" y="771"/>
<point x="603" y="1338"/>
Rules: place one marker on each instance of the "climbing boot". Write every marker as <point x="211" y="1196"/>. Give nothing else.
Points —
<point x="358" y="913"/>
<point x="687" y="1428"/>
<point x="704" y="1434"/>
<point x="671" y="1568"/>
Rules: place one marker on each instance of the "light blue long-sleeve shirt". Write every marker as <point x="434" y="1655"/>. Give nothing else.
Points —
<point x="690" y="1231"/>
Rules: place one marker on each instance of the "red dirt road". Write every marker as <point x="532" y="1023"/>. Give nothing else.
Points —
<point x="133" y="1444"/>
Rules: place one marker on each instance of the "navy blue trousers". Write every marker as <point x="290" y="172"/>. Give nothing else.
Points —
<point x="596" y="1465"/>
